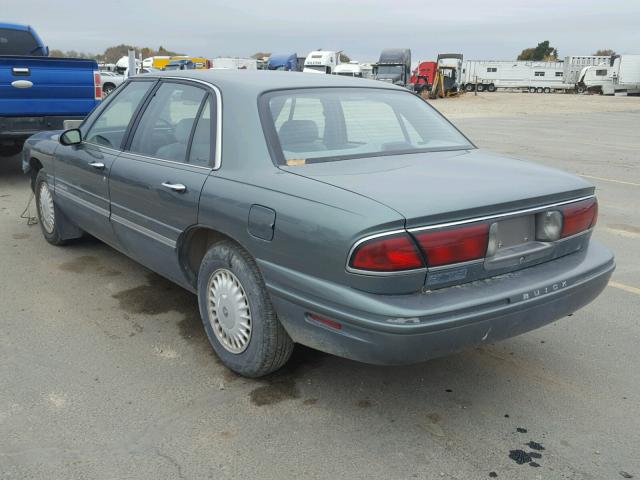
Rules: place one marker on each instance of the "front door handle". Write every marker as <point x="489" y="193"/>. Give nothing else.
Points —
<point x="97" y="165"/>
<point x="176" y="187"/>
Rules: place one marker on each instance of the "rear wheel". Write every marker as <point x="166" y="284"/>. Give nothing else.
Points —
<point x="46" y="209"/>
<point x="237" y="314"/>
<point x="491" y="88"/>
<point x="539" y="90"/>
<point x="532" y="89"/>
<point x="107" y="89"/>
<point x="480" y="87"/>
<point x="547" y="90"/>
<point x="581" y="89"/>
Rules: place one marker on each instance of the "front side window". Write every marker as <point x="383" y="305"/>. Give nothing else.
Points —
<point x="165" y="128"/>
<point x="318" y="125"/>
<point x="601" y="73"/>
<point x="112" y="123"/>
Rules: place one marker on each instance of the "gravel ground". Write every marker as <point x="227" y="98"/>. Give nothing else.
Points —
<point x="105" y="371"/>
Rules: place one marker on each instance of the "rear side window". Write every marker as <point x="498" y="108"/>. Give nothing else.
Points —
<point x="200" y="151"/>
<point x="165" y="128"/>
<point x="112" y="123"/>
<point x="18" y="42"/>
<point x="331" y="124"/>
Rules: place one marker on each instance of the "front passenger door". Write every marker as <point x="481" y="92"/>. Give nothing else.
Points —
<point x="155" y="185"/>
<point x="82" y="171"/>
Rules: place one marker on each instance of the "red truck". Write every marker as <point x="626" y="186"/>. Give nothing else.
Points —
<point x="422" y="77"/>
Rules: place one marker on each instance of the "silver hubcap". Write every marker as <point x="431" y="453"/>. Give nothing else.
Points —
<point x="229" y="313"/>
<point x="47" y="212"/>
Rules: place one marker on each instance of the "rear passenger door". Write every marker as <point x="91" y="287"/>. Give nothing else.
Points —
<point x="155" y="185"/>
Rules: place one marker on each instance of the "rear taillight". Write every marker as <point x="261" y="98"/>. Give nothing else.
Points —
<point x="97" y="85"/>
<point x="579" y="216"/>
<point x="453" y="245"/>
<point x="386" y="254"/>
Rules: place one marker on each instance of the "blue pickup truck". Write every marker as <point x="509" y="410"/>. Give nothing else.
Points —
<point x="38" y="92"/>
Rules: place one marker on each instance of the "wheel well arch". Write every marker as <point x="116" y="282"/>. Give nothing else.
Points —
<point x="192" y="246"/>
<point x="35" y="166"/>
<point x="109" y="84"/>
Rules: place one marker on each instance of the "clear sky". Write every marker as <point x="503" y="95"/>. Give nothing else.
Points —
<point x="487" y="29"/>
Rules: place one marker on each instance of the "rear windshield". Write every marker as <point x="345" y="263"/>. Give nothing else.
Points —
<point x="334" y="124"/>
<point x="18" y="42"/>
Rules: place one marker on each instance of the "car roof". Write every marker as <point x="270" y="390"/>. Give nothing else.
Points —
<point x="258" y="81"/>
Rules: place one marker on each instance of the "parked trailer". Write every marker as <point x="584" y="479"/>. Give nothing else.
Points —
<point x="489" y="75"/>
<point x="574" y="64"/>
<point x="620" y="76"/>
<point x="233" y="63"/>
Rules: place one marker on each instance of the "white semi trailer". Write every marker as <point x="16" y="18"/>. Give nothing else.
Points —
<point x="620" y="76"/>
<point x="489" y="75"/>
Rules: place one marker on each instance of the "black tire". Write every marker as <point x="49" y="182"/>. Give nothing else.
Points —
<point x="107" y="88"/>
<point x="532" y="89"/>
<point x="469" y="87"/>
<point x="539" y="90"/>
<point x="581" y="89"/>
<point x="480" y="87"/>
<point x="269" y="346"/>
<point x="52" y="233"/>
<point x="547" y="90"/>
<point x="10" y="150"/>
<point x="491" y="88"/>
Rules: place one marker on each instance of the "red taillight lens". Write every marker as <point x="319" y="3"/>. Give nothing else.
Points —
<point x="579" y="216"/>
<point x="387" y="254"/>
<point x="97" y="85"/>
<point x="453" y="245"/>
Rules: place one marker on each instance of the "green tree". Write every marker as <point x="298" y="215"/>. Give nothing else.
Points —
<point x="543" y="51"/>
<point x="344" y="58"/>
<point x="261" y="55"/>
<point x="605" y="52"/>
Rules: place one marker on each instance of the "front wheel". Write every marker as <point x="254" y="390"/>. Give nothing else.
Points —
<point x="237" y="314"/>
<point x="491" y="88"/>
<point x="47" y="215"/>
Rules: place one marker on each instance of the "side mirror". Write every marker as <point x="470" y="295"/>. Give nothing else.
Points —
<point x="71" y="137"/>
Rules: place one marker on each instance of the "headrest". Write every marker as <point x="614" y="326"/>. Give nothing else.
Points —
<point x="294" y="132"/>
<point x="182" y="130"/>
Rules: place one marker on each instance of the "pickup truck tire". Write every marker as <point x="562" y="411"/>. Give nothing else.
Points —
<point x="49" y="217"/>
<point x="237" y="314"/>
<point x="107" y="88"/>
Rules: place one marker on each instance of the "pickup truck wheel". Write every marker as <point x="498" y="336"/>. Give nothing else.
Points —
<point x="107" y="89"/>
<point x="237" y="314"/>
<point x="46" y="209"/>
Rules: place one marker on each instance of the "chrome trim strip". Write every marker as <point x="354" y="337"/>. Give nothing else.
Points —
<point x="80" y="201"/>
<point x="450" y="224"/>
<point x="143" y="230"/>
<point x="499" y="215"/>
<point x="448" y="266"/>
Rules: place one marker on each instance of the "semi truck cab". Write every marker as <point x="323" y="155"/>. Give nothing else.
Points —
<point x="321" y="61"/>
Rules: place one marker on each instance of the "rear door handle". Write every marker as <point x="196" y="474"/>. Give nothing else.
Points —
<point x="176" y="187"/>
<point x="97" y="165"/>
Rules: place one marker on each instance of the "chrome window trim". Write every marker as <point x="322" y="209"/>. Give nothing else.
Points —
<point x="452" y="224"/>
<point x="147" y="157"/>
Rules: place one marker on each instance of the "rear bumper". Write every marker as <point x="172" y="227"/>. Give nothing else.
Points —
<point x="404" y="329"/>
<point x="18" y="129"/>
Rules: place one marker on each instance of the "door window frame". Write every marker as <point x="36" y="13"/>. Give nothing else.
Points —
<point x="212" y="95"/>
<point x="97" y="113"/>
